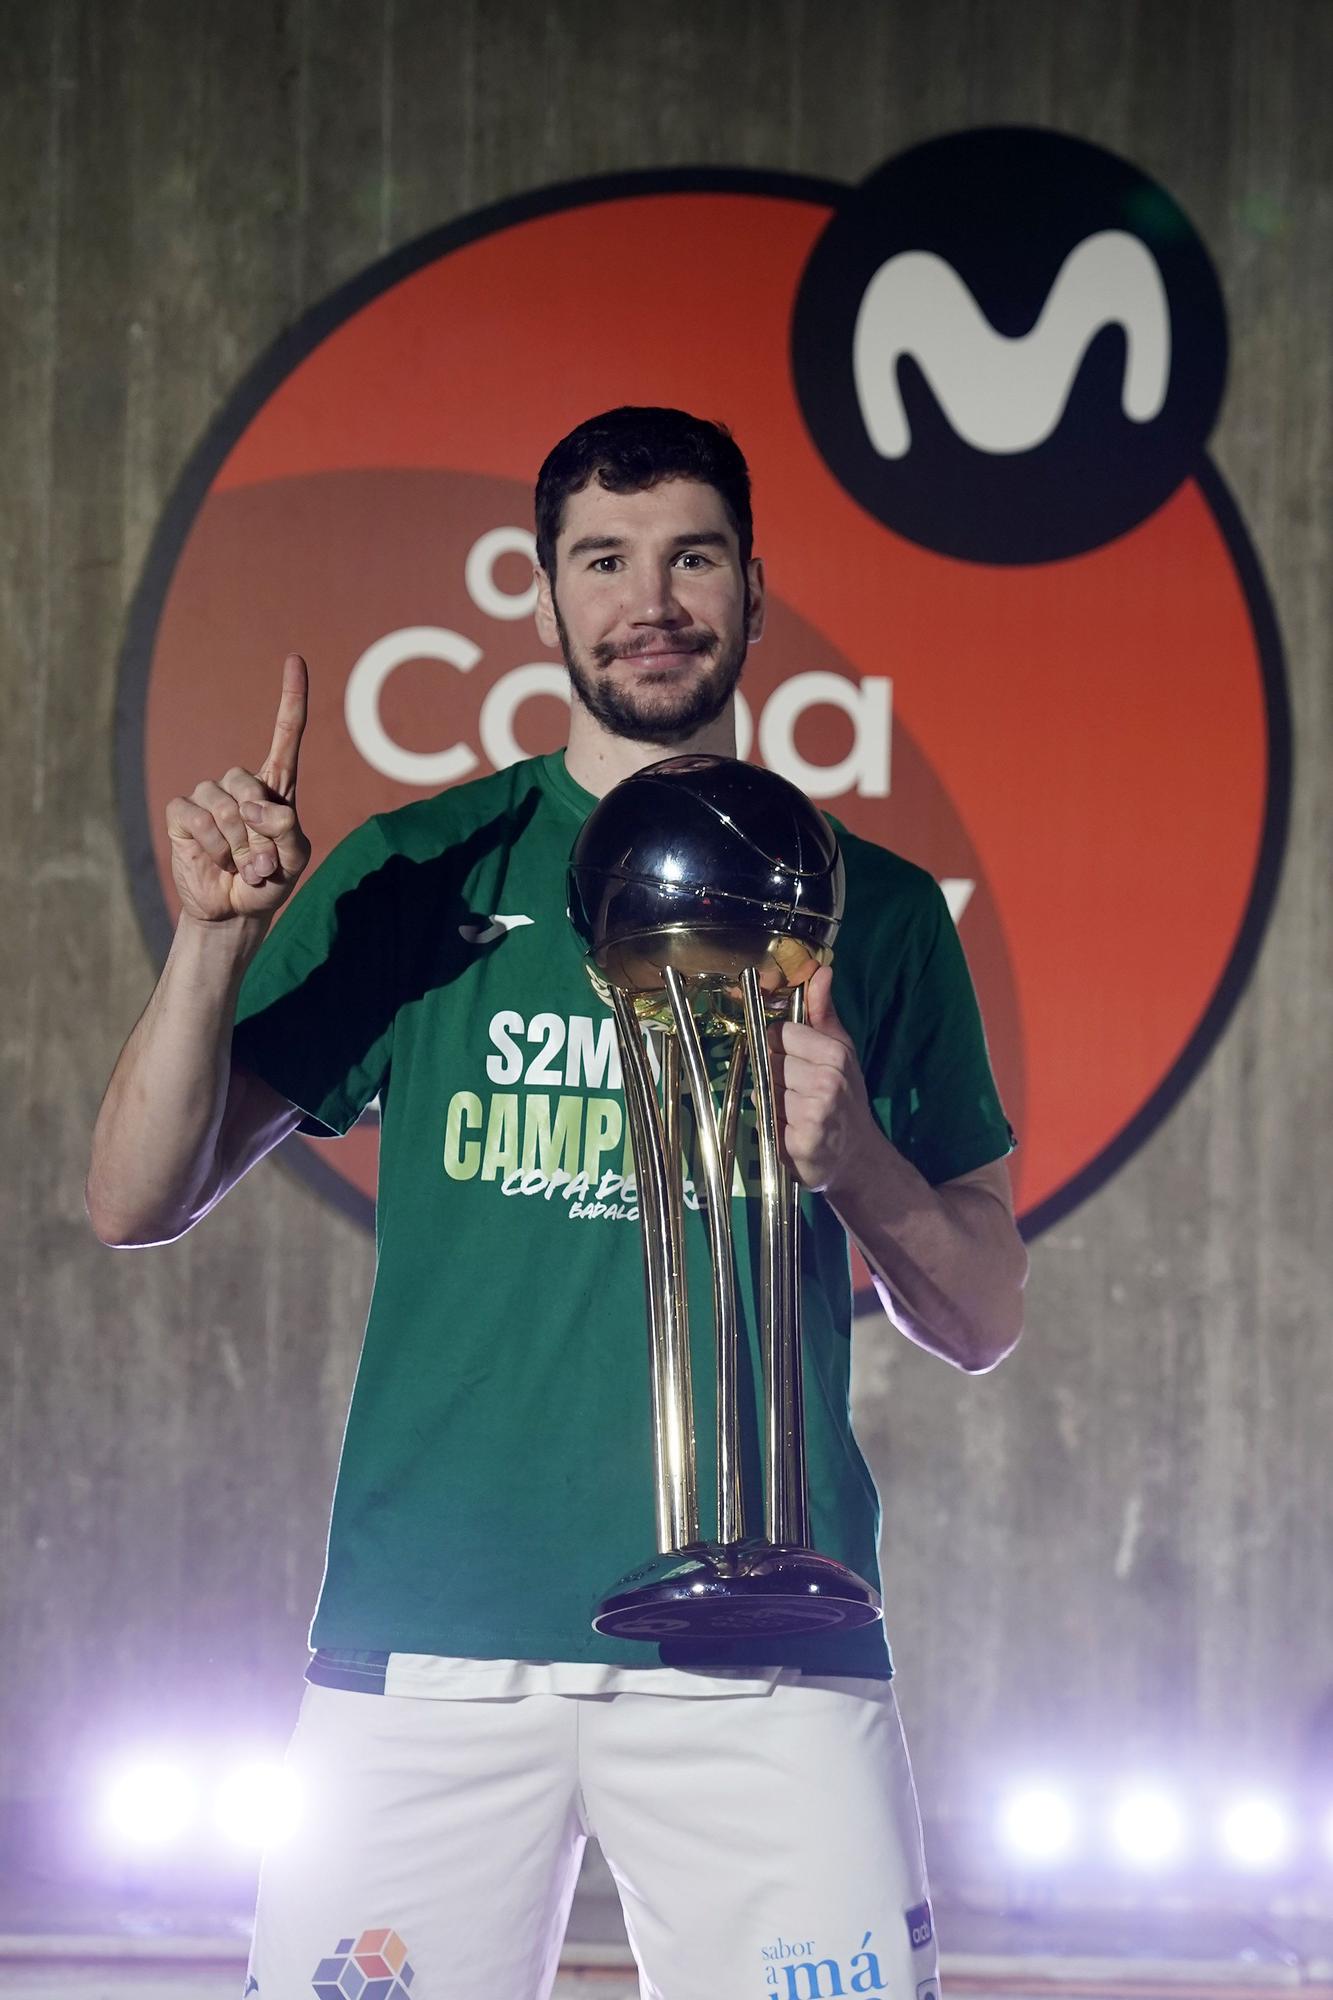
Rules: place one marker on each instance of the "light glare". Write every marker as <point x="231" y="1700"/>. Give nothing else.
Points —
<point x="1038" y="1823"/>
<point x="150" y="1804"/>
<point x="257" y="1806"/>
<point x="1148" y="1827"/>
<point x="1255" y="1833"/>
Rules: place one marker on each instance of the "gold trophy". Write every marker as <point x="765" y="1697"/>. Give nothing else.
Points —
<point x="705" y="893"/>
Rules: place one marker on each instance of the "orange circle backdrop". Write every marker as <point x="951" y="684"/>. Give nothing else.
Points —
<point x="1096" y="746"/>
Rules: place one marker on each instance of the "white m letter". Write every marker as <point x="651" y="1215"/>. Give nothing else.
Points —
<point x="1005" y="395"/>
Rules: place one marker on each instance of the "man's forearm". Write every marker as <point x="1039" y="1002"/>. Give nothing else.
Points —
<point x="155" y="1142"/>
<point x="947" y="1261"/>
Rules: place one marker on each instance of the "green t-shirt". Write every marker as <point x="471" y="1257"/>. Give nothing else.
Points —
<point x="495" y="1479"/>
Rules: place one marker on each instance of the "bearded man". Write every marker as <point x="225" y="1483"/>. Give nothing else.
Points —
<point x="465" y="1729"/>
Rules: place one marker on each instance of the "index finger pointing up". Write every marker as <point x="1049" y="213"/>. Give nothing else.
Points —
<point x="279" y="768"/>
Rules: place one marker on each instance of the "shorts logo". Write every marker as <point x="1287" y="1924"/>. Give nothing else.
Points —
<point x="800" y="1969"/>
<point x="920" y="1926"/>
<point x="371" y="1967"/>
<point x="1042" y="662"/>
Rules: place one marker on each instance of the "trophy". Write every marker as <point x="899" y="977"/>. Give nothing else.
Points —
<point x="705" y="892"/>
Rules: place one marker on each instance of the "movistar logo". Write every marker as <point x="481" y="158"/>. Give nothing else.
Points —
<point x="1004" y="395"/>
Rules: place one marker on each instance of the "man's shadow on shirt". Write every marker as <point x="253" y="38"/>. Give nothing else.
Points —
<point x="404" y="930"/>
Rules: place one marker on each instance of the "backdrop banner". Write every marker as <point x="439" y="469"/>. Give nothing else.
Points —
<point x="1017" y="629"/>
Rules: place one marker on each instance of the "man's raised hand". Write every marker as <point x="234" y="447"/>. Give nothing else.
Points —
<point x="237" y="849"/>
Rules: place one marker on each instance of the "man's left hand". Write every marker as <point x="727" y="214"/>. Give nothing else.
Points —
<point x="824" y="1118"/>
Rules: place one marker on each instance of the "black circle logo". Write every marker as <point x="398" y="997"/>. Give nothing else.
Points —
<point x="1009" y="345"/>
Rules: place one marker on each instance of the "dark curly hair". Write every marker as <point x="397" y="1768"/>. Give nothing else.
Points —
<point x="635" y="447"/>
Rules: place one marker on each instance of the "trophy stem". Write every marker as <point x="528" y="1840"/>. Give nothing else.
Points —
<point x="785" y="1509"/>
<point x="729" y="1125"/>
<point x="730" y="1500"/>
<point x="731" y="1102"/>
<point x="794" y="1429"/>
<point x="674" y="1478"/>
<point x="675" y="1219"/>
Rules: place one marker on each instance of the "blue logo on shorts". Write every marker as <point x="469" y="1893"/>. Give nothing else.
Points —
<point x="371" y="1967"/>
<point x="920" y="1926"/>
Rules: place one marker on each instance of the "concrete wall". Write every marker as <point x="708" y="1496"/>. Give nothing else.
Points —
<point x="1122" y="1541"/>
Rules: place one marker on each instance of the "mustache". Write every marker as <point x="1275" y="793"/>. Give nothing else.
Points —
<point x="693" y="641"/>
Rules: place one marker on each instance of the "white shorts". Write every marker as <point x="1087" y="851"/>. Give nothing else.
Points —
<point x="762" y="1844"/>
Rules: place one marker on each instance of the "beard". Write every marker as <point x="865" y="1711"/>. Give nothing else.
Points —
<point x="665" y="707"/>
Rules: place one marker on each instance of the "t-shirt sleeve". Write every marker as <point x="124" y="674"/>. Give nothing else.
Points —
<point x="316" y="1008"/>
<point x="928" y="1070"/>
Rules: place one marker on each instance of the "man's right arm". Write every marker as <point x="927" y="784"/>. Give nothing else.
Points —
<point x="179" y="1124"/>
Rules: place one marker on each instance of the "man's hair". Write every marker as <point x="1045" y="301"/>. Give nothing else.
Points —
<point x="635" y="447"/>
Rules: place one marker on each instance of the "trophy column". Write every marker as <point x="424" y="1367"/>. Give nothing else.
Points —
<point x="705" y="887"/>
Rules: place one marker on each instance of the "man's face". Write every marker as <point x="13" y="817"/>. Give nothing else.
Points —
<point x="651" y="607"/>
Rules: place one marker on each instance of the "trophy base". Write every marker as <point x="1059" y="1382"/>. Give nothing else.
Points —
<point x="715" y="1590"/>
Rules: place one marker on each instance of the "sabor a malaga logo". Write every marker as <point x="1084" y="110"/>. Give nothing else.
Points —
<point x="1018" y="631"/>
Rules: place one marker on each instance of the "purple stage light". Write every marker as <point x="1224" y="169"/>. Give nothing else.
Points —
<point x="1255" y="1834"/>
<point x="1037" y="1823"/>
<point x="257" y="1805"/>
<point x="149" y="1804"/>
<point x="1148" y="1826"/>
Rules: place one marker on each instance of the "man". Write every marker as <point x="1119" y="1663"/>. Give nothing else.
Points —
<point x="465" y="1728"/>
